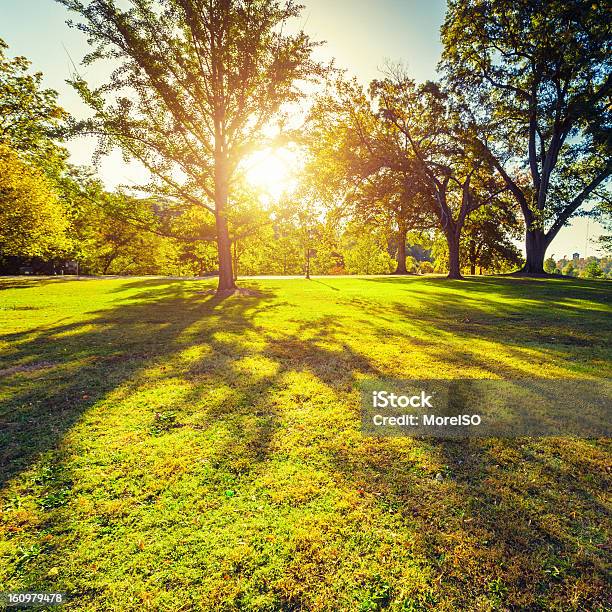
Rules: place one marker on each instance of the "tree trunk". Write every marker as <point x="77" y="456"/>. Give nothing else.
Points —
<point x="108" y="263"/>
<point x="226" y="276"/>
<point x="308" y="264"/>
<point x="401" y="252"/>
<point x="454" y="269"/>
<point x="224" y="244"/>
<point x="535" y="245"/>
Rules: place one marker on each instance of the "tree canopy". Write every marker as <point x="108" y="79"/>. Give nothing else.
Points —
<point x="33" y="221"/>
<point x="30" y="117"/>
<point x="540" y="74"/>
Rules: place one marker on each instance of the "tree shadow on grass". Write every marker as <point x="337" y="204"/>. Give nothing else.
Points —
<point x="535" y="289"/>
<point x="84" y="361"/>
<point x="320" y="282"/>
<point x="151" y="339"/>
<point x="518" y="315"/>
<point x="25" y="282"/>
<point x="499" y="525"/>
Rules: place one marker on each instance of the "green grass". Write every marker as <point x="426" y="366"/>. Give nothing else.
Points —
<point x="164" y="449"/>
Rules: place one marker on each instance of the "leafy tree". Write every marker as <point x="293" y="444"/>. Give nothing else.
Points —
<point x="488" y="237"/>
<point x="115" y="233"/>
<point x="365" y="252"/>
<point x="603" y="213"/>
<point x="456" y="177"/>
<point x="110" y="244"/>
<point x="198" y="85"/>
<point x="411" y="265"/>
<point x="540" y="74"/>
<point x="33" y="221"/>
<point x="302" y="216"/>
<point x="286" y="255"/>
<point x="550" y="267"/>
<point x="353" y="149"/>
<point x="592" y="270"/>
<point x="570" y="269"/>
<point x="30" y="117"/>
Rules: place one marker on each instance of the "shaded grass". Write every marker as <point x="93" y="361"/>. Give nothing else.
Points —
<point x="167" y="449"/>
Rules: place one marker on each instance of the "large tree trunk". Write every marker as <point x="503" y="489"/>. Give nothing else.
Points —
<point x="224" y="244"/>
<point x="224" y="250"/>
<point x="535" y="245"/>
<point x="401" y="252"/>
<point x="454" y="269"/>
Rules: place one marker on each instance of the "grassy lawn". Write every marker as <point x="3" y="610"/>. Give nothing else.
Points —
<point x="164" y="449"/>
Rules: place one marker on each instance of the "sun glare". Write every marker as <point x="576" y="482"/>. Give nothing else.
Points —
<point x="272" y="171"/>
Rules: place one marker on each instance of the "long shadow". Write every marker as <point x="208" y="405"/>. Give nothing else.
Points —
<point x="319" y="282"/>
<point x="504" y="286"/>
<point x="496" y="518"/>
<point x="77" y="364"/>
<point x="24" y="282"/>
<point x="110" y="353"/>
<point x="493" y="310"/>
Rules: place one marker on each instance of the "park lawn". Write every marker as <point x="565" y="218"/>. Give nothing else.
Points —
<point x="165" y="449"/>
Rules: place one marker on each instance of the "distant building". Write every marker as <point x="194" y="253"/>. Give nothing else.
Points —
<point x="576" y="256"/>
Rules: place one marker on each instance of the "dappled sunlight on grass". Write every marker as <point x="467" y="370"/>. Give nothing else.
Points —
<point x="175" y="446"/>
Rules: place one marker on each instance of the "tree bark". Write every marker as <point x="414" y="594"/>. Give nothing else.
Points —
<point x="224" y="244"/>
<point x="401" y="252"/>
<point x="226" y="276"/>
<point x="454" y="269"/>
<point x="536" y="244"/>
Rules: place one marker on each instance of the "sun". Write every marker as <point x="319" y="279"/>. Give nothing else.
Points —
<point x="272" y="171"/>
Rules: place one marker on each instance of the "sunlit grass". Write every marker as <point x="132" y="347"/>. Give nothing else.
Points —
<point x="166" y="449"/>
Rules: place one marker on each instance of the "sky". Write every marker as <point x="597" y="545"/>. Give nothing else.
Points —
<point x="360" y="34"/>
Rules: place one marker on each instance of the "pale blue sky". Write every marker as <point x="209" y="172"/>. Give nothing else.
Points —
<point x="360" y="34"/>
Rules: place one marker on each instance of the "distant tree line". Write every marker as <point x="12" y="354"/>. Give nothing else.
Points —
<point x="589" y="267"/>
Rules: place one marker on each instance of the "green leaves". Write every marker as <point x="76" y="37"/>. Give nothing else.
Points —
<point x="32" y="218"/>
<point x="196" y="87"/>
<point x="539" y="74"/>
<point x="31" y="116"/>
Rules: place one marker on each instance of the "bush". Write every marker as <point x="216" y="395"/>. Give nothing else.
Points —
<point x="569" y="270"/>
<point x="426" y="267"/>
<point x="550" y="266"/>
<point x="367" y="254"/>
<point x="412" y="267"/>
<point x="593" y="270"/>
